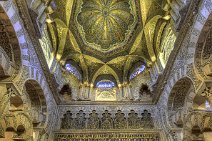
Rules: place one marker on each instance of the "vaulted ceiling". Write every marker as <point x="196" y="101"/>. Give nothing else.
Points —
<point x="107" y="36"/>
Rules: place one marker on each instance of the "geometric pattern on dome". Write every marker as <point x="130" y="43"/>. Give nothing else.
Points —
<point x="106" y="24"/>
<point x="77" y="33"/>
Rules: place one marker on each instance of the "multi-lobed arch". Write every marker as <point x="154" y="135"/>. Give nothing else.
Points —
<point x="25" y="70"/>
<point x="190" y="44"/>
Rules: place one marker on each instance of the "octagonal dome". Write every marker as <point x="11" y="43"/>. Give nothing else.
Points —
<point x="105" y="24"/>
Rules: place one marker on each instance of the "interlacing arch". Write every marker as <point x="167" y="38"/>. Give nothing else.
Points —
<point x="203" y="52"/>
<point x="38" y="108"/>
<point x="177" y="101"/>
<point x="10" y="54"/>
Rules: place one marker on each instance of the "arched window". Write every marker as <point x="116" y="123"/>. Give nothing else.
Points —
<point x="69" y="67"/>
<point x="137" y="71"/>
<point x="105" y="84"/>
<point x="207" y="106"/>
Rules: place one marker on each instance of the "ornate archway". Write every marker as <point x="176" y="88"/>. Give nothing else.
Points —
<point x="9" y="47"/>
<point x="179" y="104"/>
<point x="38" y="108"/>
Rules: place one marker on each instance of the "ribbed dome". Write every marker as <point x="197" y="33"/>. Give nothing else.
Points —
<point x="105" y="22"/>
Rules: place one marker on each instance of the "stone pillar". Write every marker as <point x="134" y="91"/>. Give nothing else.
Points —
<point x="80" y="95"/>
<point x="126" y="91"/>
<point x="86" y="91"/>
<point x="91" y="92"/>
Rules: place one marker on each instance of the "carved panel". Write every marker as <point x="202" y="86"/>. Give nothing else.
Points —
<point x="120" y="121"/>
<point x="93" y="121"/>
<point x="146" y="120"/>
<point x="107" y="121"/>
<point x="67" y="121"/>
<point x="80" y="120"/>
<point x="133" y="120"/>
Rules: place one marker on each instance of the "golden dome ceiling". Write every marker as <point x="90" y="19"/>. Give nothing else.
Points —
<point x="107" y="36"/>
<point x="106" y="24"/>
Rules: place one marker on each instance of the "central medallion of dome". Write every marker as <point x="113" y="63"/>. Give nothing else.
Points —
<point x="105" y="24"/>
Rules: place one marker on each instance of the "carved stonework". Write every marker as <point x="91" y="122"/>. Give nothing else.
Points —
<point x="67" y="121"/>
<point x="146" y="120"/>
<point x="80" y="120"/>
<point x="133" y="120"/>
<point x="93" y="121"/>
<point x="107" y="121"/>
<point x="120" y="120"/>
<point x="145" y="93"/>
<point x="207" y="92"/>
<point x="105" y="39"/>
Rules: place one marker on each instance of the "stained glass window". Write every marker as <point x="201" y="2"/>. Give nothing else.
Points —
<point x="73" y="70"/>
<point x="137" y="71"/>
<point x="105" y="84"/>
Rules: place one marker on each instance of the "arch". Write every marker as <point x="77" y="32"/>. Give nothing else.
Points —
<point x="104" y="78"/>
<point x="195" y="41"/>
<point x="16" y="103"/>
<point x="179" y="93"/>
<point x="20" y="129"/>
<point x="74" y="69"/>
<point x="136" y="69"/>
<point x="178" y="12"/>
<point x="203" y="52"/>
<point x="144" y="92"/>
<point x="106" y="70"/>
<point x="9" y="46"/>
<point x="178" y="101"/>
<point x="203" y="100"/>
<point x="38" y="102"/>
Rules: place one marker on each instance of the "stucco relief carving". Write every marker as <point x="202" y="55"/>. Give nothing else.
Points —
<point x="82" y="117"/>
<point x="93" y="120"/>
<point x="107" y="121"/>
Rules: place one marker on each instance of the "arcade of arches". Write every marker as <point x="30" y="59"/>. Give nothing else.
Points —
<point x="100" y="70"/>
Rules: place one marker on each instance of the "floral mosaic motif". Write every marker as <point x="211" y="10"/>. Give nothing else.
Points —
<point x="106" y="23"/>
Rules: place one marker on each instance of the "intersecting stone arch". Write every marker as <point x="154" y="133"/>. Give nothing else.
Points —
<point x="10" y="53"/>
<point x="105" y="70"/>
<point x="194" y="40"/>
<point x="178" y="11"/>
<point x="203" y="52"/>
<point x="179" y="93"/>
<point x="178" y="97"/>
<point x="38" y="103"/>
<point x="179" y="101"/>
